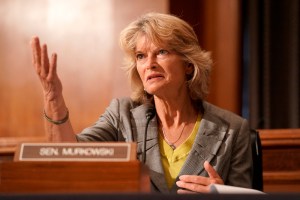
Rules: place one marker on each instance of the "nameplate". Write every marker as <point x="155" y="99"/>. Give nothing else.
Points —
<point x="109" y="152"/>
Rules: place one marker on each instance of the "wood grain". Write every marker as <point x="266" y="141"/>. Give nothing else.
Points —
<point x="281" y="159"/>
<point x="73" y="177"/>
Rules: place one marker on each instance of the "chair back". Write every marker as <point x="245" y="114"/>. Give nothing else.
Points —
<point x="257" y="180"/>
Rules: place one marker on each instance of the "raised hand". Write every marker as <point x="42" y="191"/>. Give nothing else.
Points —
<point x="46" y="69"/>
<point x="58" y="127"/>
<point x="195" y="184"/>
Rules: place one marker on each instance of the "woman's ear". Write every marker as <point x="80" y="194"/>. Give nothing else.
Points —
<point x="189" y="69"/>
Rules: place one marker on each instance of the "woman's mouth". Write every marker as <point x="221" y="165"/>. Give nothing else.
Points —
<point x="154" y="77"/>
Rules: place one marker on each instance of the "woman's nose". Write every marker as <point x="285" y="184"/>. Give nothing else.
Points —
<point x="151" y="63"/>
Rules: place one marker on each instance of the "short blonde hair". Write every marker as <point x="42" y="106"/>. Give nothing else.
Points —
<point x="179" y="36"/>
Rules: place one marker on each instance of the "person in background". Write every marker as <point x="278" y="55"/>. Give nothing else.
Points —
<point x="190" y="143"/>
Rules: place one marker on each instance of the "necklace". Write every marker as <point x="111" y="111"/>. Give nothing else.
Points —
<point x="172" y="144"/>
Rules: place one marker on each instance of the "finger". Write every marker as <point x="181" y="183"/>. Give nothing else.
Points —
<point x="194" y="179"/>
<point x="52" y="68"/>
<point x="36" y="52"/>
<point x="212" y="173"/>
<point x="192" y="187"/>
<point x="44" y="61"/>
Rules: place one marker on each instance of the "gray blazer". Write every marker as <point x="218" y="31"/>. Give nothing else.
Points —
<point x="223" y="139"/>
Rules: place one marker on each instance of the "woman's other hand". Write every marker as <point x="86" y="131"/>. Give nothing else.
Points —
<point x="196" y="184"/>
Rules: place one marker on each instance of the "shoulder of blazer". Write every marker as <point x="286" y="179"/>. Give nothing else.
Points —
<point x="124" y="103"/>
<point x="228" y="117"/>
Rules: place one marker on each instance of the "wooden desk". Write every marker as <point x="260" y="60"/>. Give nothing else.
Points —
<point x="8" y="145"/>
<point x="281" y="159"/>
<point x="73" y="177"/>
<point x="68" y="176"/>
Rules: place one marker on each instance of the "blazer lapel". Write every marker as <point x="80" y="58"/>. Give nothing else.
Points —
<point x="207" y="143"/>
<point x="153" y="157"/>
<point x="209" y="139"/>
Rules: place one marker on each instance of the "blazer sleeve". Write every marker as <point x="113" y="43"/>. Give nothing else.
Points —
<point x="106" y="128"/>
<point x="240" y="171"/>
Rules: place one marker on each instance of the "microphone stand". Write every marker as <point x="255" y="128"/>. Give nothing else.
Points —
<point x="149" y="115"/>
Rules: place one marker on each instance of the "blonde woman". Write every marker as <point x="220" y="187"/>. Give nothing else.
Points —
<point x="190" y="143"/>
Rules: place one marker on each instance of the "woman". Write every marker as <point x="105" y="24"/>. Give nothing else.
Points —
<point x="190" y="143"/>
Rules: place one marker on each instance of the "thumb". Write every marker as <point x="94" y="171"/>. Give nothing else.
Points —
<point x="210" y="170"/>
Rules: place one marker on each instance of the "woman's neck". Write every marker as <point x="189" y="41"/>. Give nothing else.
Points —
<point x="172" y="113"/>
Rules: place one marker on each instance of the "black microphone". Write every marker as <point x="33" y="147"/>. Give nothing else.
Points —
<point x="149" y="115"/>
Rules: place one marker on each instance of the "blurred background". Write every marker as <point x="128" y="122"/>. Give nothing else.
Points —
<point x="254" y="44"/>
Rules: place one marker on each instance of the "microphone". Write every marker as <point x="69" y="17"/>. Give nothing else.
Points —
<point x="149" y="115"/>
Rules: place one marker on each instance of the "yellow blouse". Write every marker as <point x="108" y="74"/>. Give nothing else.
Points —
<point x="173" y="160"/>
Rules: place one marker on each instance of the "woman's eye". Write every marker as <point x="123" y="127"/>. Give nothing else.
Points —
<point x="139" y="56"/>
<point x="162" y="52"/>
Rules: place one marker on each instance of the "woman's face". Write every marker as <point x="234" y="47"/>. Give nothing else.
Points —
<point x="162" y="71"/>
